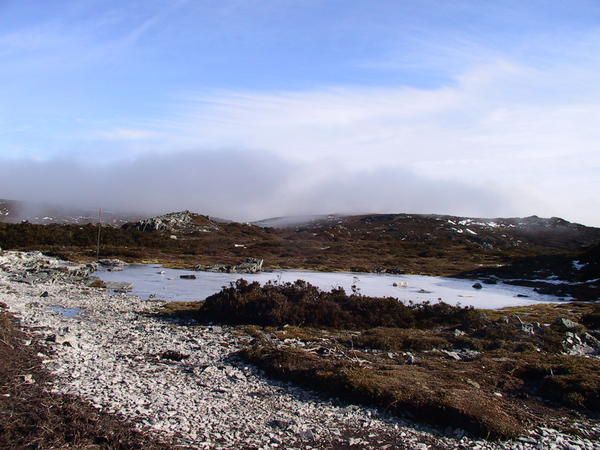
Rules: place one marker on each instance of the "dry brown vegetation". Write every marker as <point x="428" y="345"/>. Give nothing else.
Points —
<point x="300" y="303"/>
<point x="31" y="417"/>
<point x="385" y="242"/>
<point x="478" y="370"/>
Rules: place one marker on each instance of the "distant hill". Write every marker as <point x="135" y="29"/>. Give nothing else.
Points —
<point x="499" y="233"/>
<point x="294" y="221"/>
<point x="12" y="211"/>
<point x="390" y="243"/>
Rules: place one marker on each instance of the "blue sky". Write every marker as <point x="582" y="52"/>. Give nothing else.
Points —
<point x="498" y="100"/>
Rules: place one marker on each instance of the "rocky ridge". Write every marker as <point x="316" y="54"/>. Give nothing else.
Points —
<point x="177" y="222"/>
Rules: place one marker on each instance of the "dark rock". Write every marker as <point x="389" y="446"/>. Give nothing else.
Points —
<point x="44" y="294"/>
<point x="410" y="358"/>
<point x="173" y="355"/>
<point x="477" y="286"/>
<point x="280" y="424"/>
<point x="187" y="277"/>
<point x="323" y="351"/>
<point x="112" y="263"/>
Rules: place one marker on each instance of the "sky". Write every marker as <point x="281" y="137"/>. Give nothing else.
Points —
<point x="252" y="109"/>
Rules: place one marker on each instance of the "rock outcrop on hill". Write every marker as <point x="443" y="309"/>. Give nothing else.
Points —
<point x="178" y="222"/>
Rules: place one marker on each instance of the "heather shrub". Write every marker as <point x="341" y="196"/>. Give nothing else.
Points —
<point x="301" y="303"/>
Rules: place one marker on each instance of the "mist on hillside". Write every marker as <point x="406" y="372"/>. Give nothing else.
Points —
<point x="239" y="186"/>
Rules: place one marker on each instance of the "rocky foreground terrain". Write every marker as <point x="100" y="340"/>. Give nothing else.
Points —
<point x="185" y="381"/>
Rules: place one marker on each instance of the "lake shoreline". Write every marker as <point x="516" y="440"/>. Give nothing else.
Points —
<point x="159" y="282"/>
<point x="119" y="356"/>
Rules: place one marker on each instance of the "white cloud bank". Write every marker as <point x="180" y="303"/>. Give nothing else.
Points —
<point x="238" y="185"/>
<point x="526" y="135"/>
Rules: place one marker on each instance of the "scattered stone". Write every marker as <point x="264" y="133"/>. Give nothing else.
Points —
<point x="44" y="294"/>
<point x="62" y="337"/>
<point x="28" y="379"/>
<point x="475" y="384"/>
<point x="469" y="355"/>
<point x="451" y="355"/>
<point x="307" y="435"/>
<point x="187" y="277"/>
<point x="112" y="263"/>
<point x="173" y="355"/>
<point x="120" y="287"/>
<point x="280" y="424"/>
<point x="477" y="286"/>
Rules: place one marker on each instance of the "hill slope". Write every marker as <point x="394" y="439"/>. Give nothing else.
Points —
<point x="13" y="211"/>
<point x="393" y="243"/>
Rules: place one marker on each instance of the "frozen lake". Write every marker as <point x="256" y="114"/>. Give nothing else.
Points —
<point x="154" y="280"/>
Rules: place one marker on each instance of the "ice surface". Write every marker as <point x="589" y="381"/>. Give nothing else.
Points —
<point x="148" y="281"/>
<point x="67" y="312"/>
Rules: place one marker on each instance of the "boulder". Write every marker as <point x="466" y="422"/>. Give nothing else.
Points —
<point x="112" y="263"/>
<point x="452" y="355"/>
<point x="564" y="324"/>
<point x="120" y="287"/>
<point x="250" y="265"/>
<point x="477" y="286"/>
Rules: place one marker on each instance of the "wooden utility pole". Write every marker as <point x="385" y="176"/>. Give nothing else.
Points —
<point x="99" y="229"/>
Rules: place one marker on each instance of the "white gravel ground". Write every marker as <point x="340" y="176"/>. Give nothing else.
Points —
<point x="209" y="400"/>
